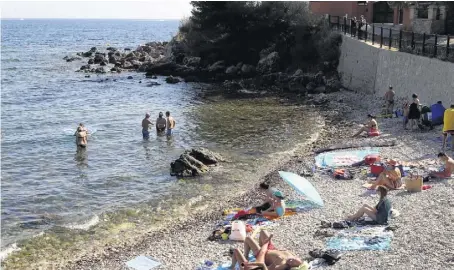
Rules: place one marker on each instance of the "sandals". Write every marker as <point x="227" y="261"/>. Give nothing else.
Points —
<point x="330" y="256"/>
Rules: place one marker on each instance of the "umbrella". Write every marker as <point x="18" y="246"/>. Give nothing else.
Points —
<point x="302" y="186"/>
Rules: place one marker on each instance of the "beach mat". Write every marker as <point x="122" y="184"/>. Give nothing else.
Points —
<point x="343" y="158"/>
<point x="210" y="265"/>
<point x="361" y="238"/>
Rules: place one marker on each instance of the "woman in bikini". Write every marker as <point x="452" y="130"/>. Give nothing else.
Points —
<point x="267" y="257"/>
<point x="380" y="213"/>
<point x="371" y="127"/>
<point x="81" y="137"/>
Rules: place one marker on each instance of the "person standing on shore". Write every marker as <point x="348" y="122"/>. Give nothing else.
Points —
<point x="389" y="97"/>
<point x="414" y="113"/>
<point x="170" y="125"/>
<point x="161" y="123"/>
<point x="145" y="126"/>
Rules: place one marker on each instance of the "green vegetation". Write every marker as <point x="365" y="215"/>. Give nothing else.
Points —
<point x="246" y="31"/>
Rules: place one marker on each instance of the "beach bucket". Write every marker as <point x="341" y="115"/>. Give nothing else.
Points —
<point x="238" y="232"/>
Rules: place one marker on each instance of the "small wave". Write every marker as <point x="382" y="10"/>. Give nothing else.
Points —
<point x="8" y="250"/>
<point x="10" y="60"/>
<point x="84" y="226"/>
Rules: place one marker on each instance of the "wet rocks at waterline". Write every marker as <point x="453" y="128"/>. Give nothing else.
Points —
<point x="194" y="162"/>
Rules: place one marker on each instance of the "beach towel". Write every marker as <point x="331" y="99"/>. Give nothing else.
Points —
<point x="300" y="205"/>
<point x="142" y="263"/>
<point x="361" y="238"/>
<point x="343" y="158"/>
<point x="210" y="265"/>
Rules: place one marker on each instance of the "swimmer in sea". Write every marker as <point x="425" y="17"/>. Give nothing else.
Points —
<point x="145" y="126"/>
<point x="161" y="123"/>
<point x="81" y="137"/>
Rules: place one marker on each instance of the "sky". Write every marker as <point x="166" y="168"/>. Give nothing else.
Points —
<point x="99" y="9"/>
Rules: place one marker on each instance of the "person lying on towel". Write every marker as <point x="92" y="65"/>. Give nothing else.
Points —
<point x="371" y="127"/>
<point x="267" y="256"/>
<point x="380" y="213"/>
<point x="448" y="169"/>
<point x="391" y="177"/>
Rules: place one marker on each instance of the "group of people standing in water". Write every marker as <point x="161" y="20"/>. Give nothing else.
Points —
<point x="163" y="126"/>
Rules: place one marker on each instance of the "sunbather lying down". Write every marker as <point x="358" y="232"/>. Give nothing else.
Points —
<point x="267" y="257"/>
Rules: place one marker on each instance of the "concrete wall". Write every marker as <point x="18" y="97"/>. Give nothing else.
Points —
<point x="371" y="70"/>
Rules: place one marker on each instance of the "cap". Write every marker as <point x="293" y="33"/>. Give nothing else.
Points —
<point x="278" y="194"/>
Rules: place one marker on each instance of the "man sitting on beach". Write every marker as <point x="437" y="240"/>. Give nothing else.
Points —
<point x="448" y="169"/>
<point x="267" y="257"/>
<point x="161" y="123"/>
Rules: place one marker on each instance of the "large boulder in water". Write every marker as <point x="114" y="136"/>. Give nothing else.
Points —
<point x="194" y="162"/>
<point x="172" y="80"/>
<point x="99" y="58"/>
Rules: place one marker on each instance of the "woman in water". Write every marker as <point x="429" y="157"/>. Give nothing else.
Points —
<point x="380" y="213"/>
<point x="414" y="113"/>
<point x="81" y="137"/>
<point x="371" y="127"/>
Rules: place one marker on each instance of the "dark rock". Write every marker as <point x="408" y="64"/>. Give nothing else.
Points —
<point x="100" y="70"/>
<point x="111" y="49"/>
<point x="85" y="67"/>
<point x="247" y="69"/>
<point x="87" y="54"/>
<point x="268" y="64"/>
<point x="320" y="99"/>
<point x="112" y="59"/>
<point x="152" y="83"/>
<point x="136" y="64"/>
<point x="115" y="69"/>
<point x="127" y="49"/>
<point x="232" y="85"/>
<point x="297" y="73"/>
<point x="91" y="61"/>
<point x="140" y="81"/>
<point x="166" y="68"/>
<point x="127" y="65"/>
<point x="99" y="58"/>
<point x="130" y="77"/>
<point x="191" y="79"/>
<point x="191" y="61"/>
<point x="87" y="76"/>
<point x="311" y="87"/>
<point x="172" y="80"/>
<point x="103" y="63"/>
<point x="320" y="89"/>
<point x="231" y="70"/>
<point x="333" y="85"/>
<point x="194" y="162"/>
<point x="93" y="49"/>
<point x="219" y="66"/>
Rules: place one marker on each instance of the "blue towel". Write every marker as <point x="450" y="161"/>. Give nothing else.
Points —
<point x="361" y="238"/>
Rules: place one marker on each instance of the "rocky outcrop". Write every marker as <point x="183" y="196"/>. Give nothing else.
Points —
<point x="172" y="80"/>
<point x="194" y="162"/>
<point x="269" y="64"/>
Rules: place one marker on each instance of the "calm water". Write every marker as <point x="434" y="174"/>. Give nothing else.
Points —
<point x="46" y="184"/>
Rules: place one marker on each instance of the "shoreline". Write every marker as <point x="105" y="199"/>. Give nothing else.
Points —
<point x="185" y="245"/>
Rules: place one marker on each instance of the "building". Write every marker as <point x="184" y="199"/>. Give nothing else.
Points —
<point x="420" y="17"/>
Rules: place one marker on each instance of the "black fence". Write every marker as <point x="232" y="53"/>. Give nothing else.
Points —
<point x="438" y="46"/>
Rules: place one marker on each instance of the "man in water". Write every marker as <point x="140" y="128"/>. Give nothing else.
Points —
<point x="449" y="167"/>
<point x="161" y="123"/>
<point x="145" y="126"/>
<point x="170" y="125"/>
<point x="389" y="97"/>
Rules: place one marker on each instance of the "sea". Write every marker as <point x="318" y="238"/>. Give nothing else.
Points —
<point x="56" y="200"/>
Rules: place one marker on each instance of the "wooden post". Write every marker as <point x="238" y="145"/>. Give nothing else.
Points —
<point x="400" y="39"/>
<point x="373" y="34"/>
<point x="365" y="37"/>
<point x="447" y="47"/>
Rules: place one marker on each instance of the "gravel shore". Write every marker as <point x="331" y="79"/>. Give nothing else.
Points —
<point x="424" y="238"/>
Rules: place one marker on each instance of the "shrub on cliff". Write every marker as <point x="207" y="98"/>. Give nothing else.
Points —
<point x="239" y="31"/>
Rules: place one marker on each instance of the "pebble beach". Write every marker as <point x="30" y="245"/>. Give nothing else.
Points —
<point x="423" y="238"/>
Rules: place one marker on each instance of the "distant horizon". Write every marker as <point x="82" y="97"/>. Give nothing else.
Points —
<point x="96" y="10"/>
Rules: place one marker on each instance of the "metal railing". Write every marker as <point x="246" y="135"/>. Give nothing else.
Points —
<point x="429" y="45"/>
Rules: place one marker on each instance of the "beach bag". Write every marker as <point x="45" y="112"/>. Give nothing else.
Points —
<point x="413" y="183"/>
<point x="238" y="232"/>
<point x="371" y="159"/>
<point x="342" y="174"/>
